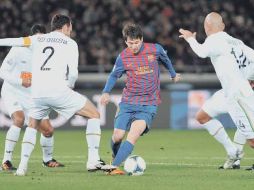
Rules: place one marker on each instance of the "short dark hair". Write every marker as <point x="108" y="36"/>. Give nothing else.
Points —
<point x="37" y="28"/>
<point x="133" y="31"/>
<point x="58" y="21"/>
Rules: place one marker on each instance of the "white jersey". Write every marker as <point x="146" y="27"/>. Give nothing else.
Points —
<point x="227" y="55"/>
<point x="16" y="65"/>
<point x="52" y="54"/>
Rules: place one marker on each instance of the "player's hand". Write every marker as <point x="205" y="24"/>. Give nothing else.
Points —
<point x="26" y="83"/>
<point x="177" y="77"/>
<point x="186" y="34"/>
<point x="105" y="98"/>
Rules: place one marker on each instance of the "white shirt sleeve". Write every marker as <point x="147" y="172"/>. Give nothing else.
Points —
<point x="7" y="66"/>
<point x="202" y="50"/>
<point x="73" y="66"/>
<point x="23" y="41"/>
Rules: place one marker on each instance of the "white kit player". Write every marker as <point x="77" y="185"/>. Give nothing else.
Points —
<point x="16" y="93"/>
<point x="52" y="54"/>
<point x="216" y="106"/>
<point x="223" y="51"/>
<point x="206" y="116"/>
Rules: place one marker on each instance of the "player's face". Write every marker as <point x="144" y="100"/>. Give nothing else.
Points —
<point x="134" y="44"/>
<point x="69" y="29"/>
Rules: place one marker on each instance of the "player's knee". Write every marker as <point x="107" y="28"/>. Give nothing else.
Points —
<point x="201" y="118"/>
<point x="48" y="132"/>
<point x="251" y="143"/>
<point x="117" y="137"/>
<point x="95" y="115"/>
<point x="18" y="121"/>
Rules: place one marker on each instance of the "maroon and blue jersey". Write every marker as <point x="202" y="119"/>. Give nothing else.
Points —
<point x="143" y="74"/>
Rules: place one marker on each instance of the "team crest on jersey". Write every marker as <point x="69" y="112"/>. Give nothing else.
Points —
<point x="151" y="58"/>
<point x="143" y="70"/>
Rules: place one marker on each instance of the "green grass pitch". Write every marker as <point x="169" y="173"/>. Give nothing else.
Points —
<point x="176" y="160"/>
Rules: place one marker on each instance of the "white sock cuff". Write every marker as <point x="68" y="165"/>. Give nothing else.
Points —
<point x="239" y="138"/>
<point x="13" y="133"/>
<point x="46" y="141"/>
<point x="15" y="128"/>
<point x="213" y="126"/>
<point x="30" y="135"/>
<point x="93" y="126"/>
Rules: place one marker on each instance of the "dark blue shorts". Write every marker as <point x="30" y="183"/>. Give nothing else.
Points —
<point x="130" y="112"/>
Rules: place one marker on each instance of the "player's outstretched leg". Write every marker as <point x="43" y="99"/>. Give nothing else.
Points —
<point x="28" y="144"/>
<point x="11" y="139"/>
<point x="216" y="129"/>
<point x="47" y="145"/>
<point x="136" y="130"/>
<point x="116" y="141"/>
<point x="239" y="141"/>
<point x="93" y="136"/>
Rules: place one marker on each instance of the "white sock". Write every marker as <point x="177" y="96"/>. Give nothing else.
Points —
<point x="216" y="129"/>
<point x="28" y="144"/>
<point x="12" y="137"/>
<point x="47" y="145"/>
<point x="239" y="140"/>
<point x="93" y="136"/>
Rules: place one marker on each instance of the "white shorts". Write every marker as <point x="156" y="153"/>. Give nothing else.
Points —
<point x="15" y="100"/>
<point x="216" y="104"/>
<point x="66" y="105"/>
<point x="241" y="112"/>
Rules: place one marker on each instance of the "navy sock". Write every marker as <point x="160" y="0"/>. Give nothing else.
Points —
<point x="124" y="151"/>
<point x="115" y="147"/>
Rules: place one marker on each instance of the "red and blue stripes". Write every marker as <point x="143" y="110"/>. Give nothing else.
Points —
<point x="142" y="70"/>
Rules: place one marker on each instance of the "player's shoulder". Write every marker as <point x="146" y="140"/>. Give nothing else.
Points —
<point x="19" y="50"/>
<point x="216" y="41"/>
<point x="73" y="42"/>
<point x="123" y="53"/>
<point x="151" y="45"/>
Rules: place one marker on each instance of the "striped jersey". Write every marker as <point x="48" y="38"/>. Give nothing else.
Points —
<point x="142" y="70"/>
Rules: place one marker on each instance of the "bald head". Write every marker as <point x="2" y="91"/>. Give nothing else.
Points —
<point x="213" y="23"/>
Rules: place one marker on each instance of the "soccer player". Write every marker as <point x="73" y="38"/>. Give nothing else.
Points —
<point x="206" y="116"/>
<point x="141" y="95"/>
<point x="227" y="55"/>
<point x="16" y="93"/>
<point x="52" y="54"/>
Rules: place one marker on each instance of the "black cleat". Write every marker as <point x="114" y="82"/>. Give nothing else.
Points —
<point x="52" y="164"/>
<point x="236" y="166"/>
<point x="7" y="166"/>
<point x="250" y="168"/>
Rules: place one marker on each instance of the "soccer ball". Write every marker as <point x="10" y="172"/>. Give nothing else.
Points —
<point x="134" y="165"/>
